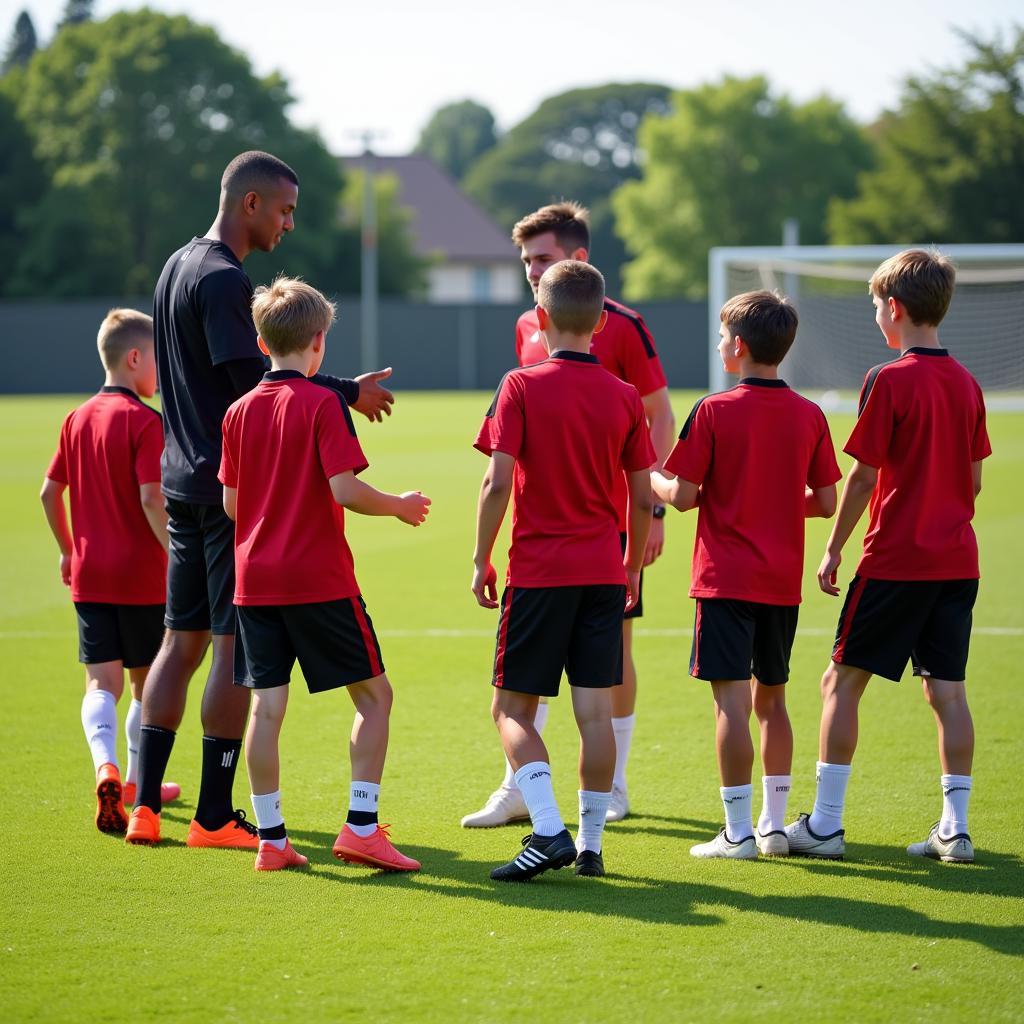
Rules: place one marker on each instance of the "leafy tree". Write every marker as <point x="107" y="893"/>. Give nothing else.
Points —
<point x="21" y="182"/>
<point x="727" y="166"/>
<point x="456" y="135"/>
<point x="22" y="44"/>
<point x="578" y="145"/>
<point x="951" y="166"/>
<point x="75" y="12"/>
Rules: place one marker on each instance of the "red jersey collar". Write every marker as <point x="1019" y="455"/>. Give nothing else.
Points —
<point x="574" y="357"/>
<point x="274" y="376"/>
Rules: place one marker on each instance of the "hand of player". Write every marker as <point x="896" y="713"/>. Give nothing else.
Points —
<point x="827" y="573"/>
<point x="374" y="401"/>
<point x="632" y="588"/>
<point x="415" y="507"/>
<point x="485" y="585"/>
<point x="65" y="570"/>
<point x="655" y="542"/>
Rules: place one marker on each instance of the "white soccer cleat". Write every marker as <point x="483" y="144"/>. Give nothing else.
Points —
<point x="957" y="849"/>
<point x="618" y="806"/>
<point x="805" y="843"/>
<point x="772" y="844"/>
<point x="723" y="846"/>
<point x="504" y="806"/>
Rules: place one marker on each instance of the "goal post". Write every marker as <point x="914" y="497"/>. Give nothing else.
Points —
<point x="838" y="341"/>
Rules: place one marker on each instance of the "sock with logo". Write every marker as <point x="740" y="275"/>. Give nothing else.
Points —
<point x="99" y="720"/>
<point x="267" y="808"/>
<point x="827" y="816"/>
<point x="739" y="822"/>
<point x="133" y="729"/>
<point x="363" y="798"/>
<point x="154" y="752"/>
<point x="534" y="781"/>
<point x="775" y="789"/>
<point x="539" y="720"/>
<point x="623" y="729"/>
<point x="956" y="794"/>
<point x="214" y="808"/>
<point x="593" y="808"/>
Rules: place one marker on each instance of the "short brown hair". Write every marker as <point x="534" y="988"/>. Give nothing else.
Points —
<point x="572" y="294"/>
<point x="923" y="281"/>
<point x="121" y="331"/>
<point x="288" y="313"/>
<point x="569" y="221"/>
<point x="766" y="321"/>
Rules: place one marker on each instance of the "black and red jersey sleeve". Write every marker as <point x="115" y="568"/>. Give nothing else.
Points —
<point x="690" y="459"/>
<point x="872" y="434"/>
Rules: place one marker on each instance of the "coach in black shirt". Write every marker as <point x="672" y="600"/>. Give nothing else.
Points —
<point x="207" y="357"/>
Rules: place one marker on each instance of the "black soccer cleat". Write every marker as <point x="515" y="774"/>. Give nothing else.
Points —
<point x="540" y="853"/>
<point x="590" y="864"/>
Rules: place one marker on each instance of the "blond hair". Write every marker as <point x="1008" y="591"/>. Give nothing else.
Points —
<point x="921" y="280"/>
<point x="121" y="331"/>
<point x="571" y="292"/>
<point x="288" y="314"/>
<point x="569" y="221"/>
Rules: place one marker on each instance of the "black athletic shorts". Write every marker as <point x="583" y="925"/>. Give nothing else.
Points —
<point x="333" y="640"/>
<point x="129" y="633"/>
<point x="543" y="630"/>
<point x="740" y="639"/>
<point x="200" y="568"/>
<point x="637" y="611"/>
<point x="886" y="623"/>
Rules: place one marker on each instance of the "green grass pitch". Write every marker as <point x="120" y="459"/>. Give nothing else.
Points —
<point x="95" y="930"/>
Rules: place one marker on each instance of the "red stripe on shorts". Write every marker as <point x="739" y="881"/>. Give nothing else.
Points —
<point x="499" y="654"/>
<point x="376" y="668"/>
<point x="851" y="611"/>
<point x="695" y="668"/>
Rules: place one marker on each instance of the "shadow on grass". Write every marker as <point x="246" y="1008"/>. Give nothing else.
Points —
<point x="696" y="829"/>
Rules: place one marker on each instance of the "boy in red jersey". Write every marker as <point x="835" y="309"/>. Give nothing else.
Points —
<point x="559" y="433"/>
<point x="918" y="444"/>
<point x="756" y="460"/>
<point x="114" y="555"/>
<point x="289" y="465"/>
<point x="624" y="347"/>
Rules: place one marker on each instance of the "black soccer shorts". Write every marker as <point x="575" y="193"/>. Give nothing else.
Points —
<point x="129" y="633"/>
<point x="742" y="639"/>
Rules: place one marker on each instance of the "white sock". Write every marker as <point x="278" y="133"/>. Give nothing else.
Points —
<point x="363" y="798"/>
<point x="623" y="728"/>
<point x="775" y="789"/>
<point x="267" y="808"/>
<point x="539" y="721"/>
<point x="956" y="794"/>
<point x="593" y="808"/>
<point x="99" y="720"/>
<point x="133" y="730"/>
<point x="739" y="822"/>
<point x="827" y="816"/>
<point x="534" y="781"/>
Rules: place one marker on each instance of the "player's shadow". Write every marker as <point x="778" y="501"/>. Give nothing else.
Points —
<point x="686" y="828"/>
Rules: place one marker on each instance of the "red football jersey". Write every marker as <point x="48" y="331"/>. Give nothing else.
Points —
<point x="752" y="450"/>
<point x="109" y="447"/>
<point x="283" y="441"/>
<point x="573" y="429"/>
<point x="921" y="424"/>
<point x="624" y="347"/>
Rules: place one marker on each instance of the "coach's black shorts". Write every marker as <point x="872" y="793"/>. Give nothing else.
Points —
<point x="886" y="623"/>
<point x="200" y="568"/>
<point x="637" y="611"/>
<point x="543" y="630"/>
<point x="740" y="639"/>
<point x="129" y="633"/>
<point x="333" y="640"/>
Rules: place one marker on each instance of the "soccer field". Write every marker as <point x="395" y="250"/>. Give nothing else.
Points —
<point x="96" y="930"/>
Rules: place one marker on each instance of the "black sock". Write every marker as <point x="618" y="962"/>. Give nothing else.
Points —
<point x="154" y="752"/>
<point x="277" y="832"/>
<point x="220" y="759"/>
<point x="361" y="818"/>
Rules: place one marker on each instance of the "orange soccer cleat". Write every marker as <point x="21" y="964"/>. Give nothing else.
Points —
<point x="375" y="850"/>
<point x="168" y="791"/>
<point x="110" y="813"/>
<point x="143" y="827"/>
<point x="270" y="858"/>
<point x="237" y="834"/>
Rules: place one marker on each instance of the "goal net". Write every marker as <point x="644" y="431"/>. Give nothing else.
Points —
<point x="838" y="340"/>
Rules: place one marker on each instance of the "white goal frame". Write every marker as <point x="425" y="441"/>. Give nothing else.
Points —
<point x="799" y="256"/>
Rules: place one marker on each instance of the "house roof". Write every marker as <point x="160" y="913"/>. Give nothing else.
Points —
<point x="444" y="218"/>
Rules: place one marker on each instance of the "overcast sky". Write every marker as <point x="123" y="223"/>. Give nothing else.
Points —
<point x="388" y="64"/>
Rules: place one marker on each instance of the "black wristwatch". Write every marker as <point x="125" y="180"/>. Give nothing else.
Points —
<point x="658" y="512"/>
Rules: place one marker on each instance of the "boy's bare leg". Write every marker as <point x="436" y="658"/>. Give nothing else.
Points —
<point x="593" y="710"/>
<point x="948" y="701"/>
<point x="735" y="752"/>
<point x="261" y="742"/>
<point x="776" y="761"/>
<point x="368" y="746"/>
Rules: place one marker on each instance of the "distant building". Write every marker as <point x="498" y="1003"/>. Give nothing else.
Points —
<point x="474" y="259"/>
